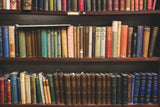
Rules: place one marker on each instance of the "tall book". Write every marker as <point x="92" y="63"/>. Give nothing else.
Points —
<point x="124" y="33"/>
<point x="84" y="88"/>
<point x="93" y="41"/>
<point x="2" y="90"/>
<point x="38" y="91"/>
<point x="41" y="5"/>
<point x="128" y="5"/>
<point x="129" y="89"/>
<point x="132" y="5"/>
<point x="59" y="5"/>
<point x="104" y="5"/>
<point x="27" y="4"/>
<point x="98" y="5"/>
<point x="13" y="4"/>
<point x="28" y="44"/>
<point x="154" y="4"/>
<point x="78" y="87"/>
<point x="19" y="4"/>
<point x="86" y="41"/>
<point x="109" y="42"/>
<point x="28" y="89"/>
<point x="98" y="83"/>
<point x="5" y="42"/>
<point x="74" y="5"/>
<point x="75" y="41"/>
<point x="122" y="5"/>
<point x="69" y="5"/>
<point x="81" y="41"/>
<point x="134" y="45"/>
<point x="44" y="43"/>
<point x="59" y="42"/>
<point x="150" y="4"/>
<point x="40" y="75"/>
<point x="34" y="43"/>
<point x="118" y="89"/>
<point x="89" y="88"/>
<point x="132" y="88"/>
<point x="51" y="5"/>
<point x="97" y="42"/>
<point x="141" y="5"/>
<point x="46" y="6"/>
<point x="33" y="89"/>
<point x="55" y="43"/>
<point x="103" y="42"/>
<point x="129" y="41"/>
<point x="1" y="43"/>
<point x="113" y="89"/>
<point x="155" y="88"/>
<point x="146" y="41"/>
<point x="64" y="43"/>
<point x="70" y="42"/>
<point x="153" y="41"/>
<point x="61" y="87"/>
<point x="22" y="81"/>
<point x="81" y="5"/>
<point x="119" y="38"/>
<point x="108" y="92"/>
<point x="5" y="90"/>
<point x="64" y="5"/>
<point x="116" y="5"/>
<point x="57" y="91"/>
<point x="88" y="5"/>
<point x="93" y="5"/>
<point x="90" y="42"/>
<point x="73" y="88"/>
<point x="103" y="93"/>
<point x="11" y="30"/>
<point x="124" y="88"/>
<point x="114" y="38"/>
<point x="49" y="43"/>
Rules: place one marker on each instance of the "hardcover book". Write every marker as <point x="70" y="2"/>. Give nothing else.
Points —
<point x="109" y="42"/>
<point x="28" y="44"/>
<point x="97" y="42"/>
<point x="114" y="38"/>
<point x="5" y="42"/>
<point x="129" y="41"/>
<point x="44" y="43"/>
<point x="64" y="43"/>
<point x="27" y="5"/>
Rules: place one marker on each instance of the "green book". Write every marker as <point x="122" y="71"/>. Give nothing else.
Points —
<point x="49" y="43"/>
<point x="145" y="5"/>
<point x="52" y="43"/>
<point x="88" y="5"/>
<point x="51" y="86"/>
<point x="55" y="5"/>
<point x="51" y="5"/>
<point x="59" y="42"/>
<point x="113" y="89"/>
<point x="134" y="46"/>
<point x="38" y="91"/>
<point x="22" y="44"/>
<point x="44" y="43"/>
<point x="55" y="44"/>
<point x="118" y="100"/>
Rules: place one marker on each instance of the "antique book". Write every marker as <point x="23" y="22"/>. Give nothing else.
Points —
<point x="136" y="5"/>
<point x="141" y="5"/>
<point x="154" y="4"/>
<point x="81" y="5"/>
<point x="46" y="6"/>
<point x="124" y="33"/>
<point x="28" y="43"/>
<point x="103" y="79"/>
<point x="116" y="5"/>
<point x="128" y="5"/>
<point x="61" y="87"/>
<point x="59" y="43"/>
<point x="150" y="5"/>
<point x="41" y="5"/>
<point x="88" y="75"/>
<point x="109" y="5"/>
<point x="9" y="92"/>
<point x="4" y="4"/>
<point x="113" y="89"/>
<point x="90" y="42"/>
<point x="119" y="89"/>
<point x="1" y="4"/>
<point x="22" y="81"/>
<point x="22" y="44"/>
<point x="1" y="42"/>
<point x="129" y="41"/>
<point x="122" y="5"/>
<point x="16" y="42"/>
<point x="11" y="30"/>
<point x="27" y="4"/>
<point x="5" y="42"/>
<point x="64" y="43"/>
<point x="104" y="5"/>
<point x="84" y="88"/>
<point x="155" y="88"/>
<point x="74" y="5"/>
<point x="119" y="38"/>
<point x="49" y="43"/>
<point x="40" y="75"/>
<point x="109" y="42"/>
<point x="124" y="88"/>
<point x="57" y="91"/>
<point x="93" y="41"/>
<point x="85" y="5"/>
<point x="13" y="4"/>
<point x="93" y="88"/>
<point x="78" y="42"/>
<point x="73" y="88"/>
<point x="97" y="42"/>
<point x="134" y="45"/>
<point x="55" y="5"/>
<point x="27" y="89"/>
<point x="39" y="42"/>
<point x="93" y="5"/>
<point x="98" y="4"/>
<point x="78" y="88"/>
<point x="5" y="89"/>
<point x="64" y="5"/>
<point x="132" y="88"/>
<point x="55" y="42"/>
<point x="59" y="5"/>
<point x="114" y="38"/>
<point x="51" y="5"/>
<point x="75" y="41"/>
<point x="48" y="91"/>
<point x="34" y="43"/>
<point x="38" y="91"/>
<point x="81" y="41"/>
<point x="145" y="4"/>
<point x="45" y="91"/>
<point x="129" y="89"/>
<point x="86" y="40"/>
<point x="88" y="5"/>
<point x="2" y="91"/>
<point x="139" y="41"/>
<point x="98" y="92"/>
<point x="70" y="42"/>
<point x="44" y="51"/>
<point x="52" y="43"/>
<point x="7" y="4"/>
<point x="35" y="5"/>
<point x="19" y="90"/>
<point x="69" y="5"/>
<point x="33" y="89"/>
<point x="132" y="5"/>
<point x="103" y="42"/>
<point x="153" y="41"/>
<point x="146" y="38"/>
<point x="67" y="82"/>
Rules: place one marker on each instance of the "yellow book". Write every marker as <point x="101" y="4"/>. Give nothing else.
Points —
<point x="22" y="82"/>
<point x="28" y="89"/>
<point x="45" y="91"/>
<point x="11" y="41"/>
<point x="48" y="92"/>
<point x="51" y="5"/>
<point x="64" y="43"/>
<point x="119" y="38"/>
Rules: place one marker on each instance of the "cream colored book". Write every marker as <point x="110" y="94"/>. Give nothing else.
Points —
<point x="97" y="42"/>
<point x="114" y="38"/>
<point x="28" y="89"/>
<point x="119" y="38"/>
<point x="103" y="42"/>
<point x="90" y="42"/>
<point x="22" y="82"/>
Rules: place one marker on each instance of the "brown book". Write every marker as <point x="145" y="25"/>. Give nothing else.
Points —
<point x="81" y="41"/>
<point x="88" y="88"/>
<point x="93" y="41"/>
<point x="36" y="42"/>
<point x="61" y="87"/>
<point x="122" y="5"/>
<point x="103" y="88"/>
<point x="92" y="88"/>
<point x="33" y="43"/>
<point x="84" y="88"/>
<point x="129" y="89"/>
<point x="98" y="5"/>
<point x="57" y="91"/>
<point x="132" y="5"/>
<point x="129" y="41"/>
<point x="84" y="41"/>
<point x="87" y="41"/>
<point x="108" y="89"/>
<point x="33" y="90"/>
<point x="27" y="4"/>
<point x="98" y="89"/>
<point x="64" y="43"/>
<point x="75" y="41"/>
<point x="146" y="37"/>
<point x="93" y="5"/>
<point x="153" y="41"/>
<point x="78" y="88"/>
<point x="18" y="4"/>
<point x="109" y="5"/>
<point x="28" y="44"/>
<point x="128" y="5"/>
<point x="4" y="4"/>
<point x="39" y="42"/>
<point x="78" y="43"/>
<point x="115" y="5"/>
<point x="74" y="5"/>
<point x="73" y="88"/>
<point x="67" y="81"/>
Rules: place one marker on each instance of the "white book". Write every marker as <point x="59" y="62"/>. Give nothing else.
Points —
<point x="119" y="38"/>
<point x="8" y="4"/>
<point x="28" y="89"/>
<point x="41" y="86"/>
<point x="114" y="38"/>
<point x="97" y="42"/>
<point x="103" y="42"/>
<point x="22" y="83"/>
<point x="90" y="43"/>
<point x="59" y="5"/>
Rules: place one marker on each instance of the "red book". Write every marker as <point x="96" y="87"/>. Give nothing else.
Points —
<point x="136" y="5"/>
<point x="109" y="42"/>
<point x="116" y="5"/>
<point x="124" y="33"/>
<point x="13" y="4"/>
<point x="122" y="5"/>
<point x="9" y="92"/>
<point x="18" y="4"/>
<point x="140" y="4"/>
<point x="81" y="5"/>
<point x="150" y="3"/>
<point x="64" y="5"/>
<point x="154" y="4"/>
<point x="2" y="91"/>
<point x="132" y="5"/>
<point x="109" y="2"/>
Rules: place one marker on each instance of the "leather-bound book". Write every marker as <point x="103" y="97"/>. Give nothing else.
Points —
<point x="64" y="5"/>
<point x="146" y="38"/>
<point x="88" y="88"/>
<point x="93" y="88"/>
<point x="109" y="42"/>
<point x="129" y="41"/>
<point x="81" y="41"/>
<point x="46" y="8"/>
<point x="113" y="89"/>
<point x="124" y="33"/>
<point x="70" y="42"/>
<point x="141" y="5"/>
<point x="35" y="5"/>
<point x="73" y="88"/>
<point x="86" y="40"/>
<point x="153" y="41"/>
<point x="36" y="42"/>
<point x="5" y="89"/>
<point x="94" y="5"/>
<point x="93" y="41"/>
<point x="75" y="41"/>
<point x="2" y="91"/>
<point x="104" y="5"/>
<point x="78" y="88"/>
<point x="11" y="30"/>
<point x="78" y="43"/>
<point x="50" y="5"/>
<point x="39" y="42"/>
<point x="59" y="5"/>
<point x="8" y="92"/>
<point x="88" y="5"/>
<point x="28" y="44"/>
<point x="84" y="88"/>
<point x="18" y="4"/>
<point x="122" y="5"/>
<point x="69" y="5"/>
<point x="132" y="5"/>
<point x="81" y="5"/>
<point x="27" y="4"/>
<point x="61" y="87"/>
<point x="64" y="43"/>
<point x="124" y="88"/>
<point x="119" y="38"/>
<point x="118" y="90"/>
<point x="108" y="88"/>
<point x="57" y="90"/>
<point x="134" y="45"/>
<point x="98" y="91"/>
<point x="115" y="5"/>
<point x="128" y="5"/>
<point x="98" y="5"/>
<point x="103" y="88"/>
<point x="33" y="90"/>
<point x="33" y="38"/>
<point x="139" y="41"/>
<point x="74" y="5"/>
<point x="136" y="5"/>
<point x="129" y="90"/>
<point x="150" y="5"/>
<point x="13" y="4"/>
<point x="109" y="5"/>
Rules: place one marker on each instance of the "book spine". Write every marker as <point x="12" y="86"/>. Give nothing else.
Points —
<point x="50" y="5"/>
<point x="14" y="93"/>
<point x="128" y="5"/>
<point x="59" y="5"/>
<point x="55" y="5"/>
<point x="18" y="4"/>
<point x="7" y="4"/>
<point x="103" y="93"/>
<point x="103" y="42"/>
<point x="155" y="89"/>
<point x="132" y="5"/>
<point x="5" y="91"/>
<point x="28" y="89"/>
<point x="75" y="41"/>
<point x="92" y="88"/>
<point x="1" y="43"/>
<point x="153" y="41"/>
<point x="114" y="38"/>
<point x="61" y="87"/>
<point x="81" y="50"/>
<point x="35" y="5"/>
<point x="119" y="39"/>
<point x="45" y="91"/>
<point x="98" y="5"/>
<point x="12" y="41"/>
<point x="78" y="42"/>
<point x="104" y="5"/>
<point x="122" y="5"/>
<point x="48" y="91"/>
<point x="134" y="45"/>
<point x="109" y="42"/>
<point x="41" y="89"/>
<point x="33" y="90"/>
<point x="1" y="4"/>
<point x="23" y="94"/>
<point x="154" y="4"/>
<point x="27" y="4"/>
<point x="73" y="88"/>
<point x="129" y="41"/>
<point x="33" y="41"/>
<point x="132" y="89"/>
<point x="5" y="42"/>
<point x="116" y="5"/>
<point x="113" y="89"/>
<point x="74" y="5"/>
<point x="28" y="43"/>
<point x="19" y="90"/>
<point x="142" y="88"/>
<point x="85" y="5"/>
<point x="52" y="42"/>
<point x="2" y="91"/>
<point x="98" y="90"/>
<point x="94" y="5"/>
<point x="39" y="98"/>
<point x="39" y="43"/>
<point x="55" y="43"/>
<point x="49" y="43"/>
<point x="4" y="4"/>
<point x="85" y="41"/>
<point x="109" y="5"/>
<point x="141" y="5"/>
<point x="88" y="5"/>
<point x="57" y="90"/>
<point x="9" y="92"/>
<point x="84" y="88"/>
<point x="150" y="4"/>
<point x="136" y="5"/>
<point x="124" y="33"/>
<point x="89" y="88"/>
<point x="124" y="89"/>
<point x="139" y="41"/>
<point x="145" y="4"/>
<point x="93" y="41"/>
<point x="78" y="87"/>
<point x="81" y="5"/>
<point x="146" y="41"/>
<point x="46" y="8"/>
<point x="13" y="4"/>
<point x="90" y="42"/>
<point x="108" y="97"/>
<point x="41" y="5"/>
<point x="64" y="5"/>
<point x="44" y="43"/>
<point x="97" y="42"/>
<point x="70" y="42"/>
<point x="59" y="42"/>
<point x="64" y="43"/>
<point x="16" y="43"/>
<point x="118" y="90"/>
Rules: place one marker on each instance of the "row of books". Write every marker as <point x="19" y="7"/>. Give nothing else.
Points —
<point x="78" y="5"/>
<point x="79" y="88"/>
<point x="78" y="42"/>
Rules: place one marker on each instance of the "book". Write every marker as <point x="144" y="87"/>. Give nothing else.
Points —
<point x="92" y="88"/>
<point x="57" y="91"/>
<point x="136" y="5"/>
<point x="2" y="90"/>
<point x="81" y="5"/>
<point x="132" y="5"/>
<point x="108" y="92"/>
<point x="90" y="42"/>
<point x="28" y="89"/>
<point x="114" y="38"/>
<point x="55" y="5"/>
<point x="93" y="5"/>
<point x="73" y="88"/>
<point x="86" y="41"/>
<point x="124" y="88"/>
<point x="9" y="92"/>
<point x="18" y="4"/>
<point x="118" y="89"/>
<point x="1" y="43"/>
<point x="35" y="5"/>
<point x="97" y="42"/>
<point x="45" y="91"/>
<point x="40" y="75"/>
<point x="38" y="91"/>
<point x="85" y="5"/>
<point x="98" y="4"/>
<point x="51" y="5"/>
<point x="93" y="41"/>
<point x="109" y="42"/>
<point x="48" y="91"/>
<point x="27" y="5"/>
<point x="75" y="41"/>
<point x="7" y="4"/>
<point x="59" y="42"/>
<point x="113" y="89"/>
<point x="55" y="43"/>
<point x="155" y="88"/>
<point x="41" y="5"/>
<point x="39" y="42"/>
<point x="84" y="88"/>
<point x="44" y="43"/>
<point x="49" y="48"/>
<point x="70" y="42"/>
<point x="104" y="5"/>
<point x="103" y="90"/>
<point x="22" y="81"/>
<point x="74" y="5"/>
<point x="123" y="5"/>
<point x="81" y="41"/>
<point x="139" y="41"/>
<point x="150" y="5"/>
<point x="69" y="5"/>
<point x="64" y="43"/>
<point x="119" y="38"/>
<point x="5" y="41"/>
<point x="33" y="89"/>
<point x="34" y="43"/>
<point x="89" y="88"/>
<point x="132" y="88"/>
<point x="141" y="5"/>
<point x="145" y="4"/>
<point x="103" y="42"/>
<point x="5" y="90"/>
<point x="61" y="87"/>
<point x="28" y="44"/>
<point x="4" y="4"/>
<point x="154" y="4"/>
<point x="128" y="5"/>
<point x="134" y="45"/>
<point x="98" y="89"/>
<point x="46" y="7"/>
<point x="13" y="4"/>
<point x="59" y="5"/>
<point x="52" y="43"/>
<point x="129" y="41"/>
<point x="88" y="5"/>
<point x="78" y="87"/>
<point x="19" y="90"/>
<point x="17" y="43"/>
<point x="109" y="5"/>
<point x="1" y="4"/>
<point x="64" y="5"/>
<point x="116" y="5"/>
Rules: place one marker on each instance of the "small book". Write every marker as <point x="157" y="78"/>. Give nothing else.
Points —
<point x="136" y="5"/>
<point x="93" y="5"/>
<point x="75" y="41"/>
<point x="48" y="91"/>
<point x="119" y="38"/>
<point x="108" y="92"/>
<point x="98" y="4"/>
<point x="2" y="90"/>
<point x="88" y="81"/>
<point x="129" y="89"/>
<point x="132" y="88"/>
<point x="128" y="5"/>
<point x="150" y="5"/>
<point x="9" y="92"/>
<point x="141" y="5"/>
<point x="41" y="5"/>
<point x="103" y="93"/>
<point x="40" y="75"/>
<point x="81" y="41"/>
<point x="35" y="5"/>
<point x="59" y="5"/>
<point x="34" y="43"/>
<point x="88" y="5"/>
<point x="104" y="5"/>
<point x="27" y="5"/>
<point x="22" y="81"/>
<point x="59" y="42"/>
<point x="78" y="42"/>
<point x="132" y="5"/>
<point x="90" y="42"/>
<point x="55" y="42"/>
<point x="113" y="89"/>
<point x="93" y="41"/>
<point x="81" y="5"/>
<point x="109" y="42"/>
<point x="74" y="5"/>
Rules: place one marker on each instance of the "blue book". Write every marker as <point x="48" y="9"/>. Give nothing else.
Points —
<point x="142" y="88"/>
<point x="35" y="5"/>
<point x="85" y="5"/>
<point x="155" y="88"/>
<point x="69" y="5"/>
<point x="5" y="42"/>
<point x="132" y="87"/>
<point x="1" y="43"/>
<point x="148" y="88"/>
<point x="41" y="5"/>
<point x="136" y="88"/>
<point x="19" y="90"/>
<point x="14" y="91"/>
<point x="139" y="41"/>
<point x="44" y="43"/>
